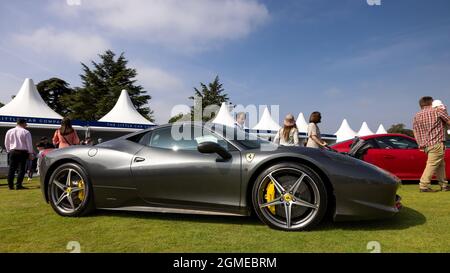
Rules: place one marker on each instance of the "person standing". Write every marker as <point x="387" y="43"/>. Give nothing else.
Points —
<point x="31" y="167"/>
<point x="314" y="135"/>
<point x="65" y="136"/>
<point x="429" y="127"/>
<point x="240" y="121"/>
<point x="46" y="142"/>
<point x="288" y="135"/>
<point x="18" y="143"/>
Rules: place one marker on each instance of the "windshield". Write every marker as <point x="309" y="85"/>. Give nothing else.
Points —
<point x="245" y="139"/>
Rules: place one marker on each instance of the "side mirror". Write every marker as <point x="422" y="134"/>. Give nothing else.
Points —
<point x="209" y="147"/>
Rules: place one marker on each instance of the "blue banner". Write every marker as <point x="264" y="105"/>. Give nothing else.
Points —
<point x="48" y="121"/>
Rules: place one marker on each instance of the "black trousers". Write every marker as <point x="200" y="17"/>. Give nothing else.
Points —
<point x="17" y="161"/>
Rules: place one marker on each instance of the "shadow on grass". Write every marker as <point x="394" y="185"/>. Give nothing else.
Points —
<point x="405" y="219"/>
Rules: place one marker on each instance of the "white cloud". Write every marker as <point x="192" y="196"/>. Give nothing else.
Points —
<point x="333" y="92"/>
<point x="72" y="45"/>
<point x="180" y="24"/>
<point x="157" y="80"/>
<point x="167" y="91"/>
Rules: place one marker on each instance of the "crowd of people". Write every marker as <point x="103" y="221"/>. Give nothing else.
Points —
<point x="288" y="134"/>
<point x="22" y="159"/>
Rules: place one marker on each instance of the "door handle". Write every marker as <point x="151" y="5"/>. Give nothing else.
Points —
<point x="389" y="156"/>
<point x="139" y="159"/>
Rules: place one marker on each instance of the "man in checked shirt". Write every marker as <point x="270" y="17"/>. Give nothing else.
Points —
<point x="429" y="130"/>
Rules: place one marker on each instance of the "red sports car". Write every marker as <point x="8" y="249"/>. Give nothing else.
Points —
<point x="396" y="153"/>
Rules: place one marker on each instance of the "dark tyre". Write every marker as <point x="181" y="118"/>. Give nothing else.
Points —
<point x="70" y="192"/>
<point x="289" y="196"/>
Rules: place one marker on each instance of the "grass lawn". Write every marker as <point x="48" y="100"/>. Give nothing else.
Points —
<point x="27" y="224"/>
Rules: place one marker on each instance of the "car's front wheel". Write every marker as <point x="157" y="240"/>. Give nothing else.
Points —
<point x="70" y="192"/>
<point x="289" y="196"/>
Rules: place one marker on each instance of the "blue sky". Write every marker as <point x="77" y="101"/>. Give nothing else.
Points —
<point x="344" y="58"/>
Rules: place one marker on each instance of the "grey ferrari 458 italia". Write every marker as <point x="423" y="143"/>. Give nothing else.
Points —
<point x="209" y="169"/>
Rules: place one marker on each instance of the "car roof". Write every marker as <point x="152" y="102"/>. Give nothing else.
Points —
<point x="385" y="135"/>
<point x="374" y="136"/>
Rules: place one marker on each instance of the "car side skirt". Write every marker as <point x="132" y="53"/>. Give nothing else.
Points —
<point x="173" y="210"/>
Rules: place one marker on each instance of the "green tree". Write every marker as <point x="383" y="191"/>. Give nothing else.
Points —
<point x="102" y="85"/>
<point x="1" y="104"/>
<point x="211" y="94"/>
<point x="53" y="91"/>
<point x="400" y="128"/>
<point x="176" y="118"/>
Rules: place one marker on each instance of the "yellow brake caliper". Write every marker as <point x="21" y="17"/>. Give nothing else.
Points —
<point x="270" y="196"/>
<point x="81" y="192"/>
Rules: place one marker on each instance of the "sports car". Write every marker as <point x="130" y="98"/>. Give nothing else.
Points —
<point x="201" y="168"/>
<point x="396" y="153"/>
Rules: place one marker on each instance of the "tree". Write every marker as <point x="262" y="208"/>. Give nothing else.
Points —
<point x="211" y="94"/>
<point x="176" y="118"/>
<point x="102" y="85"/>
<point x="1" y="104"/>
<point x="53" y="91"/>
<point x="400" y="129"/>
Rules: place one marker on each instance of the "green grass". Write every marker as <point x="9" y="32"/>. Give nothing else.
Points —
<point x="27" y="224"/>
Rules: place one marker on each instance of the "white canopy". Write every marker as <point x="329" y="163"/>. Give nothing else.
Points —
<point x="365" y="130"/>
<point x="381" y="130"/>
<point x="302" y="124"/>
<point x="28" y="103"/>
<point x="224" y="117"/>
<point x="266" y="122"/>
<point x="345" y="132"/>
<point x="125" y="112"/>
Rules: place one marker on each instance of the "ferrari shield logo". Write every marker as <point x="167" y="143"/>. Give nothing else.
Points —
<point x="250" y="157"/>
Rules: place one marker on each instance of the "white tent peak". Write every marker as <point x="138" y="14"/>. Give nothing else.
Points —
<point x="125" y="112"/>
<point x="266" y="122"/>
<point x="345" y="132"/>
<point x="381" y="130"/>
<point x="28" y="103"/>
<point x="223" y="116"/>
<point x="302" y="125"/>
<point x="365" y="130"/>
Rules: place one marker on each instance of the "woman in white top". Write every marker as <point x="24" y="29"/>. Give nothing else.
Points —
<point x="288" y="135"/>
<point x="314" y="139"/>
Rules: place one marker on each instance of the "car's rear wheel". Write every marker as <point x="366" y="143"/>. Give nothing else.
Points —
<point x="289" y="196"/>
<point x="70" y="192"/>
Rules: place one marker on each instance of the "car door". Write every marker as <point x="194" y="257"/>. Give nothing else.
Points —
<point x="170" y="171"/>
<point x="398" y="155"/>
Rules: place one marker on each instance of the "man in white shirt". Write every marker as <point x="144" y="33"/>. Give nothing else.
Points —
<point x="240" y="120"/>
<point x="18" y="144"/>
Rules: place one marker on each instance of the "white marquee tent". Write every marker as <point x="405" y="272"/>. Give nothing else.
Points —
<point x="344" y="132"/>
<point x="224" y="117"/>
<point x="266" y="122"/>
<point x="125" y="112"/>
<point x="28" y="103"/>
<point x="381" y="130"/>
<point x="365" y="130"/>
<point x="302" y="124"/>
